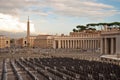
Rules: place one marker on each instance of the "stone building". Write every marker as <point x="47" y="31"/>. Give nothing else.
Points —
<point x="107" y="41"/>
<point x="4" y="41"/>
<point x="44" y="41"/>
<point x="78" y="40"/>
<point x="110" y="42"/>
<point x="31" y="41"/>
<point x="22" y="42"/>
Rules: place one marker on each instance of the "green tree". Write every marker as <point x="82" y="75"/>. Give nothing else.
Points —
<point x="74" y="30"/>
<point x="92" y="26"/>
<point x="81" y="27"/>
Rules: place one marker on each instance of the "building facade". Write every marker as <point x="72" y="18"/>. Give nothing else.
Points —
<point x="78" y="40"/>
<point x="22" y="42"/>
<point x="4" y="41"/>
<point x="110" y="42"/>
<point x="32" y="41"/>
<point x="107" y="42"/>
<point x="44" y="41"/>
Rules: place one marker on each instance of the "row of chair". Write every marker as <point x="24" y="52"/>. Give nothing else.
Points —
<point x="19" y="77"/>
<point x="4" y="70"/>
<point x="28" y="72"/>
<point x="39" y="70"/>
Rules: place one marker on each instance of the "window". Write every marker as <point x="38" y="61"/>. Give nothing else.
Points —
<point x="6" y="42"/>
<point x="25" y="42"/>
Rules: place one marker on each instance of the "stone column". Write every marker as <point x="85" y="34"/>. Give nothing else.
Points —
<point x="73" y="44"/>
<point x="115" y="45"/>
<point x="101" y="46"/>
<point x="54" y="44"/>
<point x="112" y="46"/>
<point x="106" y="46"/>
<point x="91" y="44"/>
<point x="82" y="44"/>
<point x="78" y="43"/>
<point x="68" y="44"/>
<point x="65" y="43"/>
<point x="88" y="44"/>
<point x="59" y="44"/>
<point x="99" y="43"/>
<point x="95" y="44"/>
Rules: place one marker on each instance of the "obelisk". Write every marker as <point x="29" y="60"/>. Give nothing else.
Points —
<point x="28" y="33"/>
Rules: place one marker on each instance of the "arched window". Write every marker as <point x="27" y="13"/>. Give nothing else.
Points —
<point x="6" y="42"/>
<point x="25" y="42"/>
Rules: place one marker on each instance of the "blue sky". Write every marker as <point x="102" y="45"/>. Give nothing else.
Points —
<point x="55" y="16"/>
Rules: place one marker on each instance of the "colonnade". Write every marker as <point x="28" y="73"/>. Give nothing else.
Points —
<point x="108" y="45"/>
<point x="78" y="44"/>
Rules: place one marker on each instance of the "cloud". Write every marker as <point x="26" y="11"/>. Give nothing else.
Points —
<point x="14" y="7"/>
<point x="74" y="8"/>
<point x="81" y="8"/>
<point x="12" y="24"/>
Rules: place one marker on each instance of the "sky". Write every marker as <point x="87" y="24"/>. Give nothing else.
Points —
<point x="54" y="16"/>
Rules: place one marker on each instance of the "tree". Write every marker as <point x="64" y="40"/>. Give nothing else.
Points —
<point x="91" y="29"/>
<point x="74" y="30"/>
<point x="81" y="27"/>
<point x="92" y="26"/>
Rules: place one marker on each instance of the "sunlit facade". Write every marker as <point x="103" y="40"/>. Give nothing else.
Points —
<point x="22" y="42"/>
<point x="106" y="42"/>
<point x="78" y="40"/>
<point x="44" y="41"/>
<point x="4" y="41"/>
